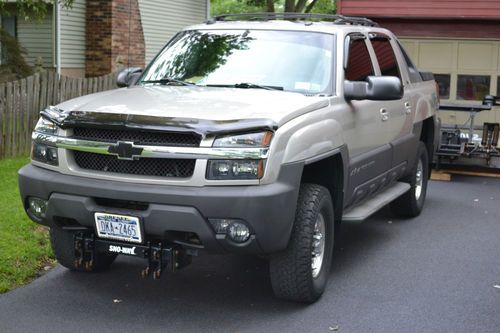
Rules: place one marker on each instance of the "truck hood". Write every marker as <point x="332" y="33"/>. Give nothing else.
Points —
<point x="220" y="105"/>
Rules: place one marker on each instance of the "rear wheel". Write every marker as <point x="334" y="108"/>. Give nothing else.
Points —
<point x="411" y="203"/>
<point x="63" y="245"/>
<point x="301" y="271"/>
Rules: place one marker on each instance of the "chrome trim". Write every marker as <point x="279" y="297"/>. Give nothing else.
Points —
<point x="153" y="151"/>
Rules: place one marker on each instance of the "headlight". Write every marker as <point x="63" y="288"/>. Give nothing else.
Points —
<point x="44" y="153"/>
<point x="235" y="169"/>
<point x="250" y="140"/>
<point x="45" y="126"/>
<point x="239" y="169"/>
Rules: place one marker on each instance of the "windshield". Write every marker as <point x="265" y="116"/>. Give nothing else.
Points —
<point x="282" y="60"/>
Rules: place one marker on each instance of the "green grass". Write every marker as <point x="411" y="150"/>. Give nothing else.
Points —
<point x="24" y="245"/>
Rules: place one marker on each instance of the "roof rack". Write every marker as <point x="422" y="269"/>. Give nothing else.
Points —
<point x="336" y="19"/>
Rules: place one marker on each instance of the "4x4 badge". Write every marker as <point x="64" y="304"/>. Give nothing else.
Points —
<point x="125" y="150"/>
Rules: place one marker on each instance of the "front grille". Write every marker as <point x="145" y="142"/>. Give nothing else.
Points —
<point x="159" y="167"/>
<point x="139" y="137"/>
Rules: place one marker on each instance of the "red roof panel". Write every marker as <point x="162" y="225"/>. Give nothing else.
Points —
<point x="459" y="9"/>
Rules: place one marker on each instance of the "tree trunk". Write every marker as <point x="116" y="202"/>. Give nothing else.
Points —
<point x="300" y="6"/>
<point x="310" y="6"/>
<point x="270" y="6"/>
<point x="290" y="6"/>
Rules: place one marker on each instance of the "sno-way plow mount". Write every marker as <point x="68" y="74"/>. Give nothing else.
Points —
<point x="159" y="256"/>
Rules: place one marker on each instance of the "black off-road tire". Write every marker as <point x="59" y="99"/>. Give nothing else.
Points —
<point x="408" y="205"/>
<point x="291" y="271"/>
<point x="63" y="245"/>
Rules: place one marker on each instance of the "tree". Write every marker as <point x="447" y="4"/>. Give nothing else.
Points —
<point x="298" y="6"/>
<point x="13" y="64"/>
<point x="294" y="6"/>
<point x="31" y="9"/>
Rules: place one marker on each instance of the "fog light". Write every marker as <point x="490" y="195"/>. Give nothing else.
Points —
<point x="37" y="206"/>
<point x="220" y="225"/>
<point x="236" y="230"/>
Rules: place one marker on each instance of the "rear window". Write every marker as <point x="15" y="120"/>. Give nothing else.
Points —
<point x="386" y="57"/>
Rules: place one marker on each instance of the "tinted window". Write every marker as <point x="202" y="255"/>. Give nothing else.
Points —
<point x="443" y="81"/>
<point x="359" y="64"/>
<point x="473" y="87"/>
<point x="386" y="57"/>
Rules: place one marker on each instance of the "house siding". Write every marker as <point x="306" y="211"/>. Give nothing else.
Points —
<point x="37" y="38"/>
<point x="482" y="9"/>
<point x="73" y="35"/>
<point x="162" y="19"/>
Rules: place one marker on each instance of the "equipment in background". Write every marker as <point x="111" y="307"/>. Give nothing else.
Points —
<point x="459" y="145"/>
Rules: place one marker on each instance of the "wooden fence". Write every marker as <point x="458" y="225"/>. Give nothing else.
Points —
<point x="21" y="102"/>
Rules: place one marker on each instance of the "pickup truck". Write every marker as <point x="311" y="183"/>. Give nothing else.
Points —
<point x="251" y="134"/>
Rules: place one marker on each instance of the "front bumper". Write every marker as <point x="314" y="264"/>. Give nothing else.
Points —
<point x="269" y="210"/>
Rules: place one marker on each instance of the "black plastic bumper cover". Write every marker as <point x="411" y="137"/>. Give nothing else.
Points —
<point x="268" y="209"/>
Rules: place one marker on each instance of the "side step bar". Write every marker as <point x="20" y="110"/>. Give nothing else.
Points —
<point x="366" y="208"/>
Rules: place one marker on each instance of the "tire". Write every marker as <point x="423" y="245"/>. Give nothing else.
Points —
<point x="292" y="275"/>
<point x="63" y="245"/>
<point x="411" y="203"/>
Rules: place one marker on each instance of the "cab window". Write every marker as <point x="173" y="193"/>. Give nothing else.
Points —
<point x="386" y="57"/>
<point x="359" y="64"/>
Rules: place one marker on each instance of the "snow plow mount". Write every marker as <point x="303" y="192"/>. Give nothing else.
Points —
<point x="159" y="256"/>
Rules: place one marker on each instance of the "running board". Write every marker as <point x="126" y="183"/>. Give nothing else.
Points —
<point x="359" y="213"/>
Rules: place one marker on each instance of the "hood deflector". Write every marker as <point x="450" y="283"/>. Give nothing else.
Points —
<point x="164" y="124"/>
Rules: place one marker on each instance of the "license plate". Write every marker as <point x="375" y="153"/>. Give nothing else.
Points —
<point x="119" y="227"/>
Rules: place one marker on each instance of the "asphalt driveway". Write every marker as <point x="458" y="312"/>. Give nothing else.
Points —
<point x="435" y="273"/>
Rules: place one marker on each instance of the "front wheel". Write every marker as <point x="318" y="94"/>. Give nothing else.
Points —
<point x="411" y="203"/>
<point x="300" y="272"/>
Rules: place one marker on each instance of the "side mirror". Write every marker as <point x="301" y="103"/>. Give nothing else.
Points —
<point x="375" y="88"/>
<point x="128" y="77"/>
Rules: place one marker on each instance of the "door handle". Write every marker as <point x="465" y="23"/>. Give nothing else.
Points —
<point x="407" y="107"/>
<point x="384" y="114"/>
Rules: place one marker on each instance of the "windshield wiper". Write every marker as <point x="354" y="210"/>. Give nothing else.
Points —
<point x="168" y="81"/>
<point x="246" y="85"/>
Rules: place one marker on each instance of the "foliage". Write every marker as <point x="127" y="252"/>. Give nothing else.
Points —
<point x="30" y="9"/>
<point x="219" y="7"/>
<point x="24" y="246"/>
<point x="13" y="65"/>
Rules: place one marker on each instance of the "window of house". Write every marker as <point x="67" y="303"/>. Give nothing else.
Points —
<point x="443" y="81"/>
<point x="498" y="86"/>
<point x="359" y="63"/>
<point x="386" y="57"/>
<point x="8" y="25"/>
<point x="473" y="87"/>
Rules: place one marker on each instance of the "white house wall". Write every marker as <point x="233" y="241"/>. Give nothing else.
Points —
<point x="37" y="39"/>
<point x="161" y="19"/>
<point x="73" y="36"/>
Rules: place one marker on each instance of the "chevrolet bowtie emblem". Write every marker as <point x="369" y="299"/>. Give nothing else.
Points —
<point x="125" y="150"/>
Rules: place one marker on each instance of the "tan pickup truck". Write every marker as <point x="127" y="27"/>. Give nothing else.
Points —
<point x="256" y="134"/>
